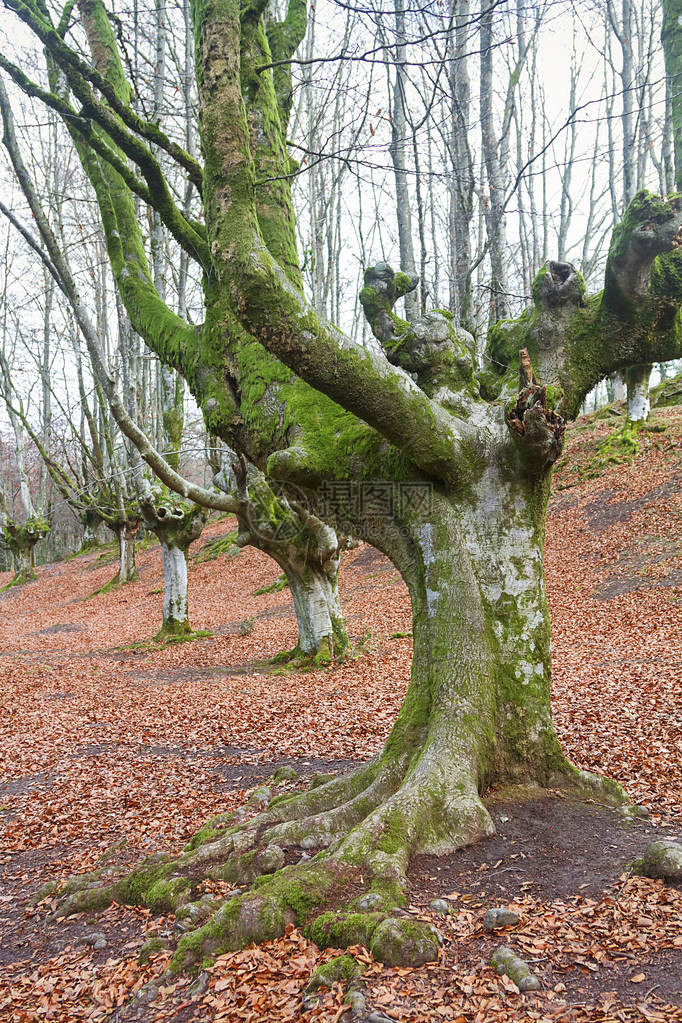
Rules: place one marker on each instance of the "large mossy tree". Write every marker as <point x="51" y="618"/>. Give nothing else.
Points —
<point x="404" y="442"/>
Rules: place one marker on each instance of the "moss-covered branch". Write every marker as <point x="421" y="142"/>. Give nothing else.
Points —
<point x="169" y="335"/>
<point x="69" y="60"/>
<point x="284" y="38"/>
<point x="574" y="340"/>
<point x="269" y="305"/>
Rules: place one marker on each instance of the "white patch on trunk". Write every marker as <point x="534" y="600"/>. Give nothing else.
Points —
<point x="638" y="402"/>
<point x="313" y="598"/>
<point x="123" y="555"/>
<point x="175" y="584"/>
<point x="426" y="544"/>
<point x="619" y="391"/>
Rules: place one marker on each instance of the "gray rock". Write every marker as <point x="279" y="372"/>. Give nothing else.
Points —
<point x="148" y="992"/>
<point x="401" y="942"/>
<point x="309" y="842"/>
<point x="197" y="911"/>
<point x="661" y="859"/>
<point x="440" y="906"/>
<point x="378" y="1017"/>
<point x="284" y="774"/>
<point x="200" y="986"/>
<point x="93" y="938"/>
<point x="272" y="858"/>
<point x="260" y="798"/>
<point x="369" y="901"/>
<point x="505" y="960"/>
<point x="151" y="946"/>
<point x="500" y="917"/>
<point x="356" y="1000"/>
<point x="100" y="944"/>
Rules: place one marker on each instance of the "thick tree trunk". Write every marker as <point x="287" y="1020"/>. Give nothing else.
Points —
<point x="125" y="533"/>
<point x="305" y="548"/>
<point x="177" y="524"/>
<point x="175" y="605"/>
<point x="478" y="707"/>
<point x="637" y="381"/>
<point x="91" y="522"/>
<point x="24" y="562"/>
<point x="22" y="541"/>
<point x="319" y="618"/>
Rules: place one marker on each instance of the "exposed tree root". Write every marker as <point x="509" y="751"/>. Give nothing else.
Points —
<point x="361" y="829"/>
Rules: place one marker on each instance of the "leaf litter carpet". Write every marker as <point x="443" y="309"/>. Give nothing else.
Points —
<point x="113" y="745"/>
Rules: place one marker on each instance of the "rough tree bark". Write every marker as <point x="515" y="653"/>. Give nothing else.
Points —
<point x="637" y="383"/>
<point x="91" y="521"/>
<point x="307" y="550"/>
<point x="125" y="530"/>
<point x="445" y="469"/>
<point x="21" y="540"/>
<point x="177" y="524"/>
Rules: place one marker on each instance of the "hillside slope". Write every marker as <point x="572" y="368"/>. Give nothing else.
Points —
<point x="107" y="737"/>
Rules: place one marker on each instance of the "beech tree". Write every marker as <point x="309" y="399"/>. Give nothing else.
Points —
<point x="24" y="518"/>
<point x="307" y="550"/>
<point x="442" y="466"/>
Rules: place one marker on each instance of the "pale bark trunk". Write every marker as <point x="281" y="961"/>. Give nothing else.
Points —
<point x="127" y="568"/>
<point x="619" y="389"/>
<point x="175" y="605"/>
<point x="637" y="379"/>
<point x="318" y="609"/>
<point x="398" y="149"/>
<point x="306" y="550"/>
<point x="494" y="207"/>
<point x="462" y="190"/>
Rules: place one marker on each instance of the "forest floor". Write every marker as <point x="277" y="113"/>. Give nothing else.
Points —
<point x="106" y="736"/>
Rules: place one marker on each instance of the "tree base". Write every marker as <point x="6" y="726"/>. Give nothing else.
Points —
<point x="165" y="636"/>
<point x="115" y="584"/>
<point x="18" y="580"/>
<point x="348" y="842"/>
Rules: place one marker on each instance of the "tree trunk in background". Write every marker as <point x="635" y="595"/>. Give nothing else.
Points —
<point x="91" y="521"/>
<point x="398" y="150"/>
<point x="177" y="524"/>
<point x="672" y="52"/>
<point x="125" y="533"/>
<point x="22" y="540"/>
<point x="619" y="388"/>
<point x="305" y="548"/>
<point x="315" y="593"/>
<point x="461" y="197"/>
<point x="637" y="381"/>
<point x="494" y="201"/>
